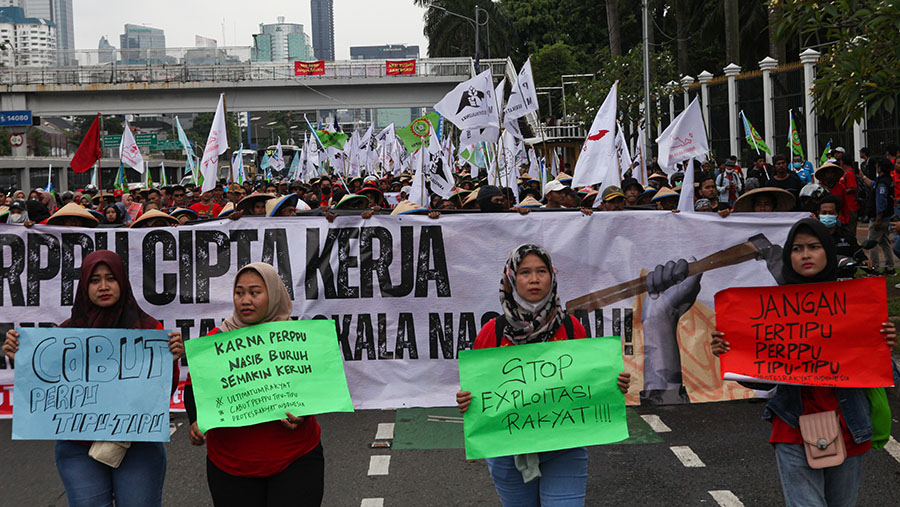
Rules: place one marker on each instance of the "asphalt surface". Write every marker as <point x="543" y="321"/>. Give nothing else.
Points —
<point x="728" y="439"/>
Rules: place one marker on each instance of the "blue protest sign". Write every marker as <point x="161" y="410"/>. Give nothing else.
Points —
<point x="15" y="118"/>
<point x="92" y="384"/>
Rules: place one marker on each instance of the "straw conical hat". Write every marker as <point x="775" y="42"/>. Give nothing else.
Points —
<point x="73" y="210"/>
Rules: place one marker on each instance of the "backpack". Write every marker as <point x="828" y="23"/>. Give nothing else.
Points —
<point x="500" y="325"/>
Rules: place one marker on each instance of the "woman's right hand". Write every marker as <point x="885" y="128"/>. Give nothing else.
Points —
<point x="719" y="345"/>
<point x="463" y="400"/>
<point x="11" y="344"/>
<point x="197" y="438"/>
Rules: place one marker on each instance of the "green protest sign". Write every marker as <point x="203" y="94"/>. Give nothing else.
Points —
<point x="256" y="374"/>
<point x="542" y="397"/>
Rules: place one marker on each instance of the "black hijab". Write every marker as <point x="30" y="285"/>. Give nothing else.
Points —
<point x="484" y="198"/>
<point x="817" y="229"/>
<point x="120" y="217"/>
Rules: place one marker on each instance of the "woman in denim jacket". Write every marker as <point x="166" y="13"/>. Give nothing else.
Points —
<point x="808" y="257"/>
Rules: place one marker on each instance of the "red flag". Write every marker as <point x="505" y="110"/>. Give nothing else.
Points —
<point x="89" y="152"/>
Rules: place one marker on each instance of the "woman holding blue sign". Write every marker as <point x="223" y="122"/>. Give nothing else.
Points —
<point x="532" y="313"/>
<point x="100" y="473"/>
<point x="273" y="463"/>
<point x="838" y="425"/>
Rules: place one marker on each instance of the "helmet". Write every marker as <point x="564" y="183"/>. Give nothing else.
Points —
<point x="813" y="190"/>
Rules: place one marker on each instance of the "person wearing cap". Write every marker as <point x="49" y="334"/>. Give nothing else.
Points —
<point x="728" y="184"/>
<point x="154" y="218"/>
<point x="838" y="154"/>
<point x="18" y="212"/>
<point x="235" y="194"/>
<point x="73" y="215"/>
<point x="632" y="189"/>
<point x="803" y="171"/>
<point x="703" y="205"/>
<point x="759" y="170"/>
<point x="490" y="198"/>
<point x="554" y="194"/>
<point x="829" y="175"/>
<point x="613" y="199"/>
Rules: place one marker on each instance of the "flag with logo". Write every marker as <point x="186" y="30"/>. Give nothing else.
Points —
<point x="597" y="162"/>
<point x="120" y="183"/>
<point x="825" y="154"/>
<point x="471" y="103"/>
<point x="416" y="134"/>
<point x="277" y="158"/>
<point x="622" y="151"/>
<point x="129" y="153"/>
<point x="522" y="99"/>
<point x="683" y="139"/>
<point x="753" y="138"/>
<point x="216" y="144"/>
<point x="237" y="166"/>
<point x="437" y="169"/>
<point x="639" y="163"/>
<point x="794" y="137"/>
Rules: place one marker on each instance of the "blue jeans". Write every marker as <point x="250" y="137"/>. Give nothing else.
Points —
<point x="562" y="482"/>
<point x="825" y="487"/>
<point x="137" y="482"/>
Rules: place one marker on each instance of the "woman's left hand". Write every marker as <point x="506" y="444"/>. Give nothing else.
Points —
<point x="176" y="345"/>
<point x="623" y="381"/>
<point x="292" y="422"/>
<point x="890" y="334"/>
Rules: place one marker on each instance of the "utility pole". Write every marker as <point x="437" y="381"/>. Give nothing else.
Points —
<point x="646" y="25"/>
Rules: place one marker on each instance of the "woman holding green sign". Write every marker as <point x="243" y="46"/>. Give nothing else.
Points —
<point x="532" y="313"/>
<point x="273" y="463"/>
<point x="99" y="473"/>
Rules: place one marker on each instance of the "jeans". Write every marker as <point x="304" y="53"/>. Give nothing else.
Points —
<point x="137" y="482"/>
<point x="825" y="487"/>
<point x="562" y="482"/>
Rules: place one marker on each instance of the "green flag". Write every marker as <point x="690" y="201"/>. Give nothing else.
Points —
<point x="824" y="157"/>
<point x="332" y="139"/>
<point x="794" y="138"/>
<point x="416" y="134"/>
<point x="120" y="183"/>
<point x="753" y="138"/>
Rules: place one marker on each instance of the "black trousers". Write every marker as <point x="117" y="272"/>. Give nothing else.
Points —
<point x="302" y="483"/>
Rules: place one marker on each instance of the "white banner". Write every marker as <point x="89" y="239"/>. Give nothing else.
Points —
<point x="408" y="292"/>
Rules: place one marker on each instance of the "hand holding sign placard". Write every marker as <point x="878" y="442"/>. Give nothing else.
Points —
<point x="92" y="384"/>
<point x="259" y="373"/>
<point x="822" y="334"/>
<point x="542" y="397"/>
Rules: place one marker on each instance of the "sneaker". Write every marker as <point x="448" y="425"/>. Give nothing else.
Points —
<point x="889" y="272"/>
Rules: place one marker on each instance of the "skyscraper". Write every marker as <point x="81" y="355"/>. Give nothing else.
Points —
<point x="142" y="44"/>
<point x="281" y="42"/>
<point x="323" y="28"/>
<point x="57" y="11"/>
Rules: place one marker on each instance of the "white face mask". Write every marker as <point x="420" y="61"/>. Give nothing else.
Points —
<point x="729" y="172"/>
<point x="15" y="218"/>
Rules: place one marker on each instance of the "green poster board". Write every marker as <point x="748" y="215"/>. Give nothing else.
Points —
<point x="256" y="374"/>
<point x="543" y="397"/>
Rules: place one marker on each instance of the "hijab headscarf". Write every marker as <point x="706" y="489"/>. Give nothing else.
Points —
<point x="279" y="300"/>
<point x="484" y="198"/>
<point x="120" y="217"/>
<point x="125" y="314"/>
<point x="529" y="322"/>
<point x="814" y="227"/>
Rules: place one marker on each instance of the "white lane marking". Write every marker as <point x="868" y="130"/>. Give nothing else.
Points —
<point x="893" y="448"/>
<point x="687" y="456"/>
<point x="726" y="498"/>
<point x="378" y="465"/>
<point x="656" y="423"/>
<point x="385" y="431"/>
<point x="457" y="421"/>
<point x="372" y="502"/>
<point x="449" y="417"/>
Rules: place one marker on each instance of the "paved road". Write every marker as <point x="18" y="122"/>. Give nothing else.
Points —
<point x="724" y="460"/>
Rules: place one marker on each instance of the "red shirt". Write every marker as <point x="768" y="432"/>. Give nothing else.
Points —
<point x="210" y="210"/>
<point x="815" y="399"/>
<point x="849" y="182"/>
<point x="260" y="450"/>
<point x="487" y="337"/>
<point x="840" y="191"/>
<point x="895" y="175"/>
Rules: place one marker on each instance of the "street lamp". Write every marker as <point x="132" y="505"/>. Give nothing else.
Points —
<point x="249" y="121"/>
<point x="475" y="24"/>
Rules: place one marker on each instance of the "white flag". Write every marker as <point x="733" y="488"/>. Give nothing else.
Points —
<point x="437" y="169"/>
<point x="129" y="152"/>
<point x="354" y="154"/>
<point x="499" y="92"/>
<point x="683" y="139"/>
<point x="622" y="151"/>
<point x="471" y="103"/>
<point x="479" y="135"/>
<point x="598" y="155"/>
<point x="686" y="199"/>
<point x="386" y="136"/>
<point x="216" y="144"/>
<point x="639" y="164"/>
<point x="417" y="187"/>
<point x="278" y="159"/>
<point x="534" y="169"/>
<point x="508" y="172"/>
<point x="523" y="98"/>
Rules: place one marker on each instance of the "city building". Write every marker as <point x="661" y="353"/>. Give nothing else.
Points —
<point x="142" y="44"/>
<point x="384" y="52"/>
<point x="106" y="52"/>
<point x="60" y="13"/>
<point x="281" y="42"/>
<point x="25" y="41"/>
<point x="323" y="28"/>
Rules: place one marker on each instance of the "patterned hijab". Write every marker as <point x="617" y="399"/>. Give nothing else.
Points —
<point x="279" y="300"/>
<point x="526" y="322"/>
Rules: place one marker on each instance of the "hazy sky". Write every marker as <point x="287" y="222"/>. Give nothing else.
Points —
<point x="232" y="22"/>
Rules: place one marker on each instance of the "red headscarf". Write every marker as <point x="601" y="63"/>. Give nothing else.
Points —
<point x="125" y="314"/>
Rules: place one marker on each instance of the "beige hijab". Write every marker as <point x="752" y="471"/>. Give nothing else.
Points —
<point x="279" y="300"/>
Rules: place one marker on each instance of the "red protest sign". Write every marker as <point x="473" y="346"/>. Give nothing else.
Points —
<point x="821" y="334"/>
<point x="404" y="67"/>
<point x="316" y="68"/>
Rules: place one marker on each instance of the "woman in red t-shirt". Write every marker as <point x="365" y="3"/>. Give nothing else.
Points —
<point x="273" y="463"/>
<point x="532" y="313"/>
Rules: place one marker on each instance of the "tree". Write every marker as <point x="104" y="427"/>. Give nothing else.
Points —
<point x="450" y="35"/>
<point x="859" y="72"/>
<point x="612" y="24"/>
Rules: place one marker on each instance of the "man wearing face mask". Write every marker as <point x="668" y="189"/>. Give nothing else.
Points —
<point x="490" y="198"/>
<point x="729" y="185"/>
<point x="844" y="240"/>
<point x="803" y="172"/>
<point x="17" y="213"/>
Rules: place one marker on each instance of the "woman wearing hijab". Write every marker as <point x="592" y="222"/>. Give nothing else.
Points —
<point x="113" y="214"/>
<point x="104" y="300"/>
<point x="809" y="256"/>
<point x="532" y="313"/>
<point x="269" y="464"/>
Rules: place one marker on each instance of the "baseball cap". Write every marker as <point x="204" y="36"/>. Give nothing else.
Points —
<point x="554" y="186"/>
<point x="610" y="193"/>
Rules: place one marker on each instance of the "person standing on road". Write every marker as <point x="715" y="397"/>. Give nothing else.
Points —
<point x="809" y="256"/>
<point x="532" y="313"/>
<point x="275" y="463"/>
<point x="104" y="300"/>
